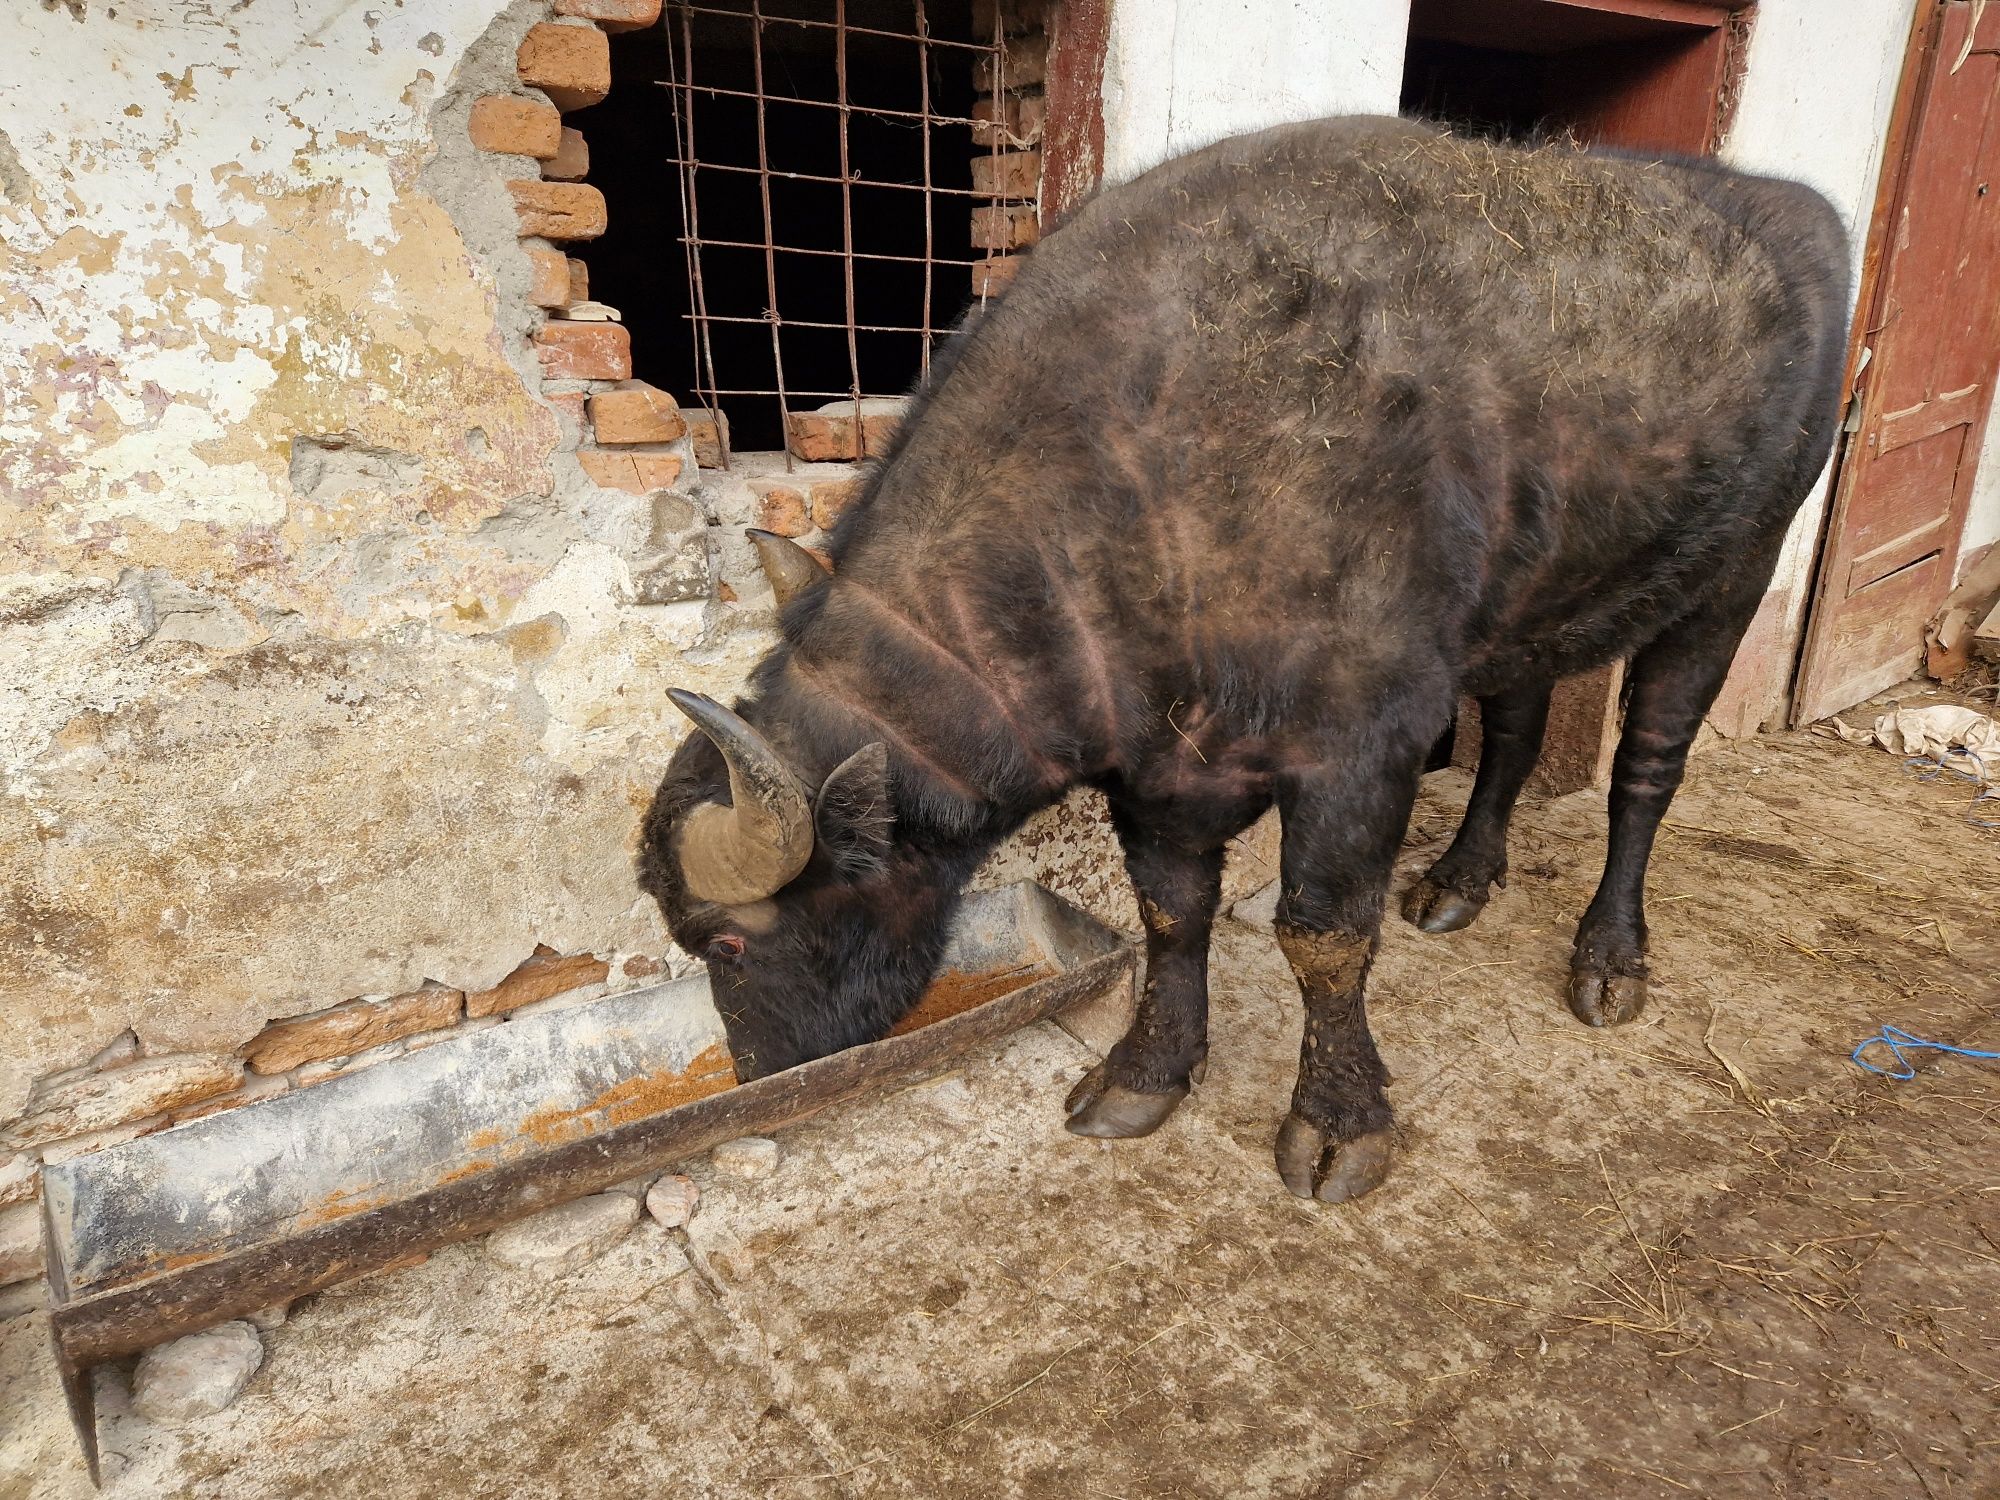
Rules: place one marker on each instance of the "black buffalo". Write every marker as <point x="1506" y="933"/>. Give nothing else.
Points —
<point x="1264" y="460"/>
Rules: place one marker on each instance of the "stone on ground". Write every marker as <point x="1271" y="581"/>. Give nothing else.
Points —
<point x="564" y="1238"/>
<point x="271" y="1315"/>
<point x="750" y="1157"/>
<point x="672" y="1200"/>
<point x="196" y="1376"/>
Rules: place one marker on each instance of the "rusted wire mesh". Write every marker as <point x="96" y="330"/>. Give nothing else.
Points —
<point x="810" y="163"/>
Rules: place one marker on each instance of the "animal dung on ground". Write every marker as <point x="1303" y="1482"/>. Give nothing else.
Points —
<point x="750" y="1157"/>
<point x="561" y="1239"/>
<point x="199" y="1375"/>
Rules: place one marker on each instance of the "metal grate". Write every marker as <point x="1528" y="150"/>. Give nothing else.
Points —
<point x="844" y="122"/>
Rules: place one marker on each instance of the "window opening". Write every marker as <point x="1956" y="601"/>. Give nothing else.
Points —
<point x="813" y="185"/>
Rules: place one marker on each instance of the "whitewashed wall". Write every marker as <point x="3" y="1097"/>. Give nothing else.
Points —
<point x="1982" y="524"/>
<point x="1816" y="100"/>
<point x="1179" y="74"/>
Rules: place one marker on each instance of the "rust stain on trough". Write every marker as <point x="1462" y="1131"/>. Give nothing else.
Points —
<point x="953" y="994"/>
<point x="650" y="1094"/>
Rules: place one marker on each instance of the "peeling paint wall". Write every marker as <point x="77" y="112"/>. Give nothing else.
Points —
<point x="323" y="671"/>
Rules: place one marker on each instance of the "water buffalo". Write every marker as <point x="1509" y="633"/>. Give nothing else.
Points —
<point x="1265" y="459"/>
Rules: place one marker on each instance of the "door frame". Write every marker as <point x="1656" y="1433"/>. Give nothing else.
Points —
<point x="1926" y="36"/>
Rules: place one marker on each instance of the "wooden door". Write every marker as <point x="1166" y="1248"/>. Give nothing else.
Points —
<point x="1932" y="343"/>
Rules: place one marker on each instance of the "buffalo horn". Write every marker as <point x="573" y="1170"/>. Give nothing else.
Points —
<point x="748" y="850"/>
<point x="789" y="566"/>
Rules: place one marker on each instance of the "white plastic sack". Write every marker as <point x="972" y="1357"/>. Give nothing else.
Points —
<point x="1961" y="739"/>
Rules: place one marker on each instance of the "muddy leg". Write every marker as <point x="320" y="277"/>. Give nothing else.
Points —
<point x="1342" y="828"/>
<point x="1456" y="888"/>
<point x="1149" y="1072"/>
<point x="1672" y="683"/>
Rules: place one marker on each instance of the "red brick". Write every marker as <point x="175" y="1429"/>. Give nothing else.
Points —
<point x="992" y="277"/>
<point x="997" y="117"/>
<point x="579" y="280"/>
<point x="1027" y="63"/>
<point x="829" y="434"/>
<point x="543" y="975"/>
<point x="1010" y="227"/>
<point x="629" y="469"/>
<point x="571" y="161"/>
<point x="571" y="64"/>
<point x="1008" y="120"/>
<point x="639" y="966"/>
<point x="782" y="508"/>
<point x="515" y="126"/>
<point x="636" y="413"/>
<point x="343" y="1030"/>
<point x="613" y="15"/>
<point x="1034" y="110"/>
<point x="708" y="436"/>
<point x="1006" y="174"/>
<point x="830" y="497"/>
<point x="584" y="351"/>
<point x="550" y="287"/>
<point x="99" y="1101"/>
<point x="559" y="210"/>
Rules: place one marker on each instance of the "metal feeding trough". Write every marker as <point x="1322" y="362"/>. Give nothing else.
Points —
<point x="213" y="1219"/>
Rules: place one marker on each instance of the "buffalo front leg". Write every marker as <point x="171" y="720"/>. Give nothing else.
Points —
<point x="1151" y="1069"/>
<point x="1341" y="831"/>
<point x="1672" y="683"/>
<point x="1455" y="889"/>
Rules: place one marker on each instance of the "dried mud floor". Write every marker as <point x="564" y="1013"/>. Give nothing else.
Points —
<point x="1702" y="1254"/>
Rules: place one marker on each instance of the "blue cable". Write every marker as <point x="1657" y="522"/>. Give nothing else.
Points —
<point x="1896" y="1040"/>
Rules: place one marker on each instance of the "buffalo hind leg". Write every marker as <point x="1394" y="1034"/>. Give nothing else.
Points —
<point x="1151" y="1070"/>
<point x="1343" y="823"/>
<point x="1455" y="890"/>
<point x="1671" y="683"/>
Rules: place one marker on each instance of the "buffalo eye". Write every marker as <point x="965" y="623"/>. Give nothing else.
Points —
<point x="725" y="949"/>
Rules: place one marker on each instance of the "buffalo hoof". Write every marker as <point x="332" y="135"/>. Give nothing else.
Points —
<point x="1439" y="908"/>
<point x="1332" y="1172"/>
<point x="1110" y="1111"/>
<point x="1600" y="999"/>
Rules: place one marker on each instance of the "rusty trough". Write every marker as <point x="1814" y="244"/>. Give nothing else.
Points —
<point x="213" y="1219"/>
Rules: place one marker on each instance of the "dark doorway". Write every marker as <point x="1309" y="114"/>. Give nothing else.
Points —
<point x="1641" y="73"/>
<point x="1649" y="75"/>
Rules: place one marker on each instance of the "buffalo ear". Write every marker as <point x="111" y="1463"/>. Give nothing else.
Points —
<point x="852" y="816"/>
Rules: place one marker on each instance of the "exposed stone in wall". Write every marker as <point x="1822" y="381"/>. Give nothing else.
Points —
<point x="99" y="1101"/>
<point x="352" y="1027"/>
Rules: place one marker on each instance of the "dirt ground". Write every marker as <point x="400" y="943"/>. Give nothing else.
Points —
<point x="1703" y="1254"/>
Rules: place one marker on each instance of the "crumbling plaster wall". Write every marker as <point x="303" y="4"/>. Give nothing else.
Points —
<point x="322" y="671"/>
